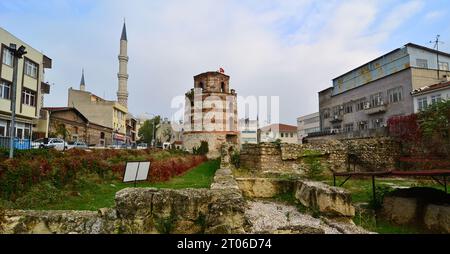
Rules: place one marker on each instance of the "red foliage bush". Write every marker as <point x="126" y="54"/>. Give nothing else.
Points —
<point x="17" y="175"/>
<point x="405" y="128"/>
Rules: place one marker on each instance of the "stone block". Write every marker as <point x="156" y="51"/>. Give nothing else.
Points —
<point x="326" y="199"/>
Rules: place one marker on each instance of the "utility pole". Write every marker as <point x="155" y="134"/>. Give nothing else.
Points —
<point x="17" y="54"/>
<point x="436" y="46"/>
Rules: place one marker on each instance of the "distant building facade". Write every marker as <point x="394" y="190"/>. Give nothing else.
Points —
<point x="210" y="113"/>
<point x="285" y="133"/>
<point x="248" y="131"/>
<point x="306" y="125"/>
<point x="430" y="95"/>
<point x="76" y="126"/>
<point x="362" y="100"/>
<point x="102" y="112"/>
<point x="132" y="134"/>
<point x="30" y="88"/>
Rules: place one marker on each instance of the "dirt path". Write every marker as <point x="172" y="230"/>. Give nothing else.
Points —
<point x="274" y="217"/>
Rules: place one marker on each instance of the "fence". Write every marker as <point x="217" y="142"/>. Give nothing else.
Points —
<point x="20" y="144"/>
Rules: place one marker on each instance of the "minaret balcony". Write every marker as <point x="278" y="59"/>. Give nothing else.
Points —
<point x="124" y="58"/>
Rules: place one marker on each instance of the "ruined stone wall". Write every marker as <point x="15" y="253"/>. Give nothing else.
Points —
<point x="144" y="211"/>
<point x="367" y="155"/>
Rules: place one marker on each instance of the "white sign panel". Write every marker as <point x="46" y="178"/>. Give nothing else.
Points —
<point x="136" y="171"/>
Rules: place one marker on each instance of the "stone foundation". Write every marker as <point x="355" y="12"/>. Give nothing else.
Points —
<point x="423" y="207"/>
<point x="215" y="141"/>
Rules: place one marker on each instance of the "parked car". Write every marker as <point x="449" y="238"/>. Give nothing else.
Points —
<point x="55" y="143"/>
<point x="77" y="144"/>
<point x="142" y="146"/>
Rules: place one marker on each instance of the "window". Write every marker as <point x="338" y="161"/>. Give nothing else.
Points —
<point x="422" y="63"/>
<point x="222" y="87"/>
<point x="422" y="103"/>
<point x="5" y="89"/>
<point x="29" y="98"/>
<point x="395" y="95"/>
<point x="363" y="125"/>
<point x="348" y="127"/>
<point x="326" y="114"/>
<point x="376" y="100"/>
<point x="435" y="99"/>
<point x="336" y="111"/>
<point x="282" y="135"/>
<point x="443" y="66"/>
<point x="292" y="135"/>
<point x="348" y="108"/>
<point x="377" y="123"/>
<point x="23" y="131"/>
<point x="3" y="127"/>
<point x="31" y="69"/>
<point x="7" y="57"/>
<point x="360" y="104"/>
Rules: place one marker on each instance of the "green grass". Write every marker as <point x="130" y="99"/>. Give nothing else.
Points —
<point x="92" y="193"/>
<point x="383" y="227"/>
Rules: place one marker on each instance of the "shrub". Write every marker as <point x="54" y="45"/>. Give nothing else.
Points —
<point x="29" y="168"/>
<point x="236" y="159"/>
<point x="377" y="201"/>
<point x="314" y="165"/>
<point x="203" y="149"/>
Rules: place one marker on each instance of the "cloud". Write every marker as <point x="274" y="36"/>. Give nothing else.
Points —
<point x="435" y="15"/>
<point x="290" y="49"/>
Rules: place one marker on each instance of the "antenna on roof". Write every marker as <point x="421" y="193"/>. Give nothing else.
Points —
<point x="436" y="47"/>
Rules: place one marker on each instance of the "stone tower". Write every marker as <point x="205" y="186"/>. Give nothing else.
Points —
<point x="122" y="93"/>
<point x="210" y="113"/>
<point x="82" y="82"/>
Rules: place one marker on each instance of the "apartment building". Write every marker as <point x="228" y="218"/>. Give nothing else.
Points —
<point x="248" y="131"/>
<point x="103" y="112"/>
<point x="361" y="101"/>
<point x="429" y="95"/>
<point x="29" y="91"/>
<point x="307" y="124"/>
<point x="285" y="133"/>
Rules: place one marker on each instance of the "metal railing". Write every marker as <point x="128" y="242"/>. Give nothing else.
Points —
<point x="19" y="144"/>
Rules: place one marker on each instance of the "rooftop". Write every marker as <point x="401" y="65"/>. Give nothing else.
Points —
<point x="435" y="87"/>
<point x="280" y="127"/>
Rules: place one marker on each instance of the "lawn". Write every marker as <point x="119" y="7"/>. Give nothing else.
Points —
<point x="91" y="192"/>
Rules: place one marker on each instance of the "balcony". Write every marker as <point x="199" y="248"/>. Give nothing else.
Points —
<point x="336" y="119"/>
<point x="372" y="110"/>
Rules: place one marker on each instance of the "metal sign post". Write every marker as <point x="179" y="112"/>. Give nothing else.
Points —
<point x="136" y="171"/>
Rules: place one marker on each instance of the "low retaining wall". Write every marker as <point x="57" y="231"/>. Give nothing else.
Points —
<point x="423" y="207"/>
<point x="144" y="211"/>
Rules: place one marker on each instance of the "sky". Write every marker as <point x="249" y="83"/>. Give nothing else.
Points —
<point x="287" y="48"/>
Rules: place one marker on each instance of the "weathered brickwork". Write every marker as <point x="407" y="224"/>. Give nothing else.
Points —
<point x="359" y="154"/>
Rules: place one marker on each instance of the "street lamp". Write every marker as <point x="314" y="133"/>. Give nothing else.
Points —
<point x="154" y="129"/>
<point x="17" y="54"/>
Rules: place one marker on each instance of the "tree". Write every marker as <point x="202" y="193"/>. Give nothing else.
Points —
<point x="60" y="131"/>
<point x="146" y="131"/>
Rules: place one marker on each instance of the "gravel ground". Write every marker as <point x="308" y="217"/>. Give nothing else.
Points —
<point x="267" y="217"/>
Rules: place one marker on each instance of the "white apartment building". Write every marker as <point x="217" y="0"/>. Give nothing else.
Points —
<point x="307" y="124"/>
<point x="429" y="95"/>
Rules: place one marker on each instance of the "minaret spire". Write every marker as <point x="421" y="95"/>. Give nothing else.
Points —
<point x="82" y="82"/>
<point x="122" y="93"/>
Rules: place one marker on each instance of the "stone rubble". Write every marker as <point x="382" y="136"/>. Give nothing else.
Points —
<point x="277" y="218"/>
